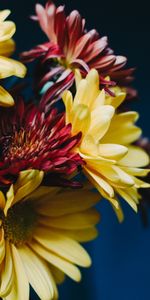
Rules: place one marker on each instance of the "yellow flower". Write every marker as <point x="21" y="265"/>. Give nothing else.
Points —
<point x="41" y="228"/>
<point x="112" y="163"/>
<point x="8" y="67"/>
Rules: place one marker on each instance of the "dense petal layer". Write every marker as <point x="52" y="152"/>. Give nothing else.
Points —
<point x="38" y="274"/>
<point x="62" y="246"/>
<point x="59" y="262"/>
<point x="20" y="289"/>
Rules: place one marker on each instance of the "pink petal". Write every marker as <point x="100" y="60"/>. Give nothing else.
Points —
<point x="42" y="17"/>
<point x="50" y="12"/>
<point x="74" y="28"/>
<point x="119" y="63"/>
<point x="103" y="62"/>
<point x="95" y="49"/>
<point x="83" y="43"/>
<point x="80" y="63"/>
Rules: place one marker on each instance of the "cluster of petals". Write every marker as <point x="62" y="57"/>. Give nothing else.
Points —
<point x="42" y="257"/>
<point x="8" y="67"/>
<point x="72" y="46"/>
<point x="112" y="162"/>
<point x="58" y="160"/>
<point x="33" y="139"/>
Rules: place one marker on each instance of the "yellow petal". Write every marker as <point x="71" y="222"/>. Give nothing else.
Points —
<point x="88" y="145"/>
<point x="10" y="199"/>
<point x="7" y="275"/>
<point x="116" y="101"/>
<point x="100" y="100"/>
<point x="81" y="94"/>
<point x="136" y="157"/>
<point x="4" y="14"/>
<point x="58" y="275"/>
<point x="96" y="159"/>
<point x="122" y="129"/>
<point x="84" y="235"/>
<point x="6" y="99"/>
<point x="127" y="195"/>
<point x="28" y="181"/>
<point x="119" y="213"/>
<point x="99" y="182"/>
<point x="100" y="121"/>
<point x="125" y="179"/>
<point x="81" y="119"/>
<point x="112" y="151"/>
<point x="69" y="202"/>
<point x="20" y="289"/>
<point x="43" y="194"/>
<point x="78" y="77"/>
<point x="59" y="262"/>
<point x="11" y="67"/>
<point x="113" y="201"/>
<point x="63" y="246"/>
<point x="7" y="48"/>
<point x="2" y="245"/>
<point x="136" y="171"/>
<point x="2" y="201"/>
<point x="106" y="171"/>
<point x="140" y="183"/>
<point x="76" y="221"/>
<point x="7" y="30"/>
<point x="68" y="102"/>
<point x="38" y="273"/>
<point x="92" y="87"/>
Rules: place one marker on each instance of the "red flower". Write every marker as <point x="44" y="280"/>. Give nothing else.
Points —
<point x="71" y="46"/>
<point x="31" y="139"/>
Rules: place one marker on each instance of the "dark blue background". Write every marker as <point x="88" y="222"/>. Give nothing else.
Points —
<point x="121" y="255"/>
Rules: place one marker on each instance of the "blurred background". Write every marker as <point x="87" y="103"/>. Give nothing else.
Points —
<point x="121" y="254"/>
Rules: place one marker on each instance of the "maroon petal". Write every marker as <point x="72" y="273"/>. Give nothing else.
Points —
<point x="29" y="56"/>
<point x="60" y="26"/>
<point x="103" y="63"/>
<point x="54" y="92"/>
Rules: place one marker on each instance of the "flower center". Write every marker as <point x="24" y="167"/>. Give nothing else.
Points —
<point x="19" y="145"/>
<point x="19" y="223"/>
<point x="65" y="62"/>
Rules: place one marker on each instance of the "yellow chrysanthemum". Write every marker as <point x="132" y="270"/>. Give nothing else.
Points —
<point x="112" y="163"/>
<point x="8" y="67"/>
<point x="41" y="228"/>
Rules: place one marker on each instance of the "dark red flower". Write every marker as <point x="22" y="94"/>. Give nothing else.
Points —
<point x="31" y="139"/>
<point x="70" y="46"/>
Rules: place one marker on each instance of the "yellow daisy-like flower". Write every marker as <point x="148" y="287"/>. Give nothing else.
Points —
<point x="41" y="228"/>
<point x="112" y="164"/>
<point x="8" y="67"/>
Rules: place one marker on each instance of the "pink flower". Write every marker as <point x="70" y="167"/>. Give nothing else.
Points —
<point x="70" y="46"/>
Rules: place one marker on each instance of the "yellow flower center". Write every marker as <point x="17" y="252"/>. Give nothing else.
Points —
<point x="19" y="223"/>
<point x="64" y="62"/>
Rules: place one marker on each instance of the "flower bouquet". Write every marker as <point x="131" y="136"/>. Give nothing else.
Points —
<point x="68" y="145"/>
